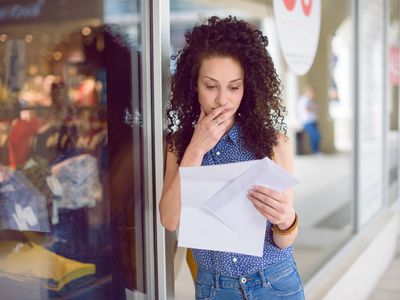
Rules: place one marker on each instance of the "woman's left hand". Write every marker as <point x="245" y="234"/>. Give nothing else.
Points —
<point x="277" y="207"/>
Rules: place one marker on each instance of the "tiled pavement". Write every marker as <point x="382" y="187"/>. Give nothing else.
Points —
<point x="388" y="287"/>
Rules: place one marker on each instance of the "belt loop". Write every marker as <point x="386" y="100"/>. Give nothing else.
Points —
<point x="217" y="280"/>
<point x="263" y="279"/>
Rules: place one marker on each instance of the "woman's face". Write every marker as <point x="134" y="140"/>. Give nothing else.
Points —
<point x="220" y="81"/>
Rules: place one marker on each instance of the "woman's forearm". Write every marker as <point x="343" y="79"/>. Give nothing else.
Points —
<point x="192" y="157"/>
<point x="170" y="205"/>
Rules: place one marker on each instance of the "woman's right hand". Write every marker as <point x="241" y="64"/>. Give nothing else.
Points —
<point x="208" y="132"/>
<point x="210" y="128"/>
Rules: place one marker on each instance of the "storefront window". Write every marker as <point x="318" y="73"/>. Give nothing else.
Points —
<point x="71" y="159"/>
<point x="324" y="197"/>
<point x="372" y="91"/>
<point x="324" y="160"/>
<point x="393" y="101"/>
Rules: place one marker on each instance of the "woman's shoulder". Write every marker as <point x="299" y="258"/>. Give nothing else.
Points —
<point x="283" y="151"/>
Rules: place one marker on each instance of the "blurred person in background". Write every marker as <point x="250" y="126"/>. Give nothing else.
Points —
<point x="307" y="111"/>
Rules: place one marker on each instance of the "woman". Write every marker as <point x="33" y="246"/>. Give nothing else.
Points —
<point x="225" y="107"/>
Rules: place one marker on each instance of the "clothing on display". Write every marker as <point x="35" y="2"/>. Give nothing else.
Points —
<point x="79" y="179"/>
<point x="20" y="140"/>
<point x="36" y="91"/>
<point x="37" y="172"/>
<point x="45" y="141"/>
<point x="22" y="206"/>
<point x="28" y="261"/>
<point x="5" y="127"/>
<point x="86" y="95"/>
<point x="68" y="136"/>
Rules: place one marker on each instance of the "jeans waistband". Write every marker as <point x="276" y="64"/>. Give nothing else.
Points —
<point x="260" y="277"/>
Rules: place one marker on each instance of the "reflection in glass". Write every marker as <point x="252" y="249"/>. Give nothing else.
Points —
<point x="71" y="190"/>
<point x="393" y="137"/>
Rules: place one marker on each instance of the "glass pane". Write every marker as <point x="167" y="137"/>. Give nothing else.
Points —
<point x="324" y="196"/>
<point x="71" y="159"/>
<point x="324" y="160"/>
<point x="372" y="96"/>
<point x="394" y="77"/>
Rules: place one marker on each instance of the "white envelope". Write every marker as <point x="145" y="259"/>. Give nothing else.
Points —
<point x="216" y="213"/>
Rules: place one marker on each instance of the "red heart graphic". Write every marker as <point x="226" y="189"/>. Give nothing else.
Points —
<point x="289" y="4"/>
<point x="306" y="7"/>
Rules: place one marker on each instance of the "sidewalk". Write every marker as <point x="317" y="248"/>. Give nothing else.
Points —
<point x="388" y="287"/>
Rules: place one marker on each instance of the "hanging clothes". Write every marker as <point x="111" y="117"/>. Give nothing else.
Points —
<point x="22" y="206"/>
<point x="79" y="179"/>
<point x="20" y="140"/>
<point x="5" y="127"/>
<point x="46" y="140"/>
<point x="37" y="171"/>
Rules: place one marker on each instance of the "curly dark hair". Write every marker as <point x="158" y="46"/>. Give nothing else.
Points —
<point x="261" y="113"/>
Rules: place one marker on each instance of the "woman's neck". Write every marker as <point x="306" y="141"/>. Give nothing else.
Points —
<point x="231" y="124"/>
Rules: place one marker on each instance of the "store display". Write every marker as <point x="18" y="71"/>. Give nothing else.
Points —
<point x="22" y="206"/>
<point x="28" y="261"/>
<point x="79" y="179"/>
<point x="20" y="140"/>
<point x="55" y="162"/>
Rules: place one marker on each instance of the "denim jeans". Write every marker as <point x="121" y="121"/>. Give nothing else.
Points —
<point x="279" y="281"/>
<point x="311" y="130"/>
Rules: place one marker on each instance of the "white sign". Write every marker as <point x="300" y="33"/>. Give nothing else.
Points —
<point x="298" y="23"/>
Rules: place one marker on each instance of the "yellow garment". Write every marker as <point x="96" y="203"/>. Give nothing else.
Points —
<point x="29" y="261"/>
<point x="3" y="93"/>
<point x="191" y="263"/>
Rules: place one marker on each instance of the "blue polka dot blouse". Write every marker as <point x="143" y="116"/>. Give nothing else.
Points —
<point x="230" y="149"/>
